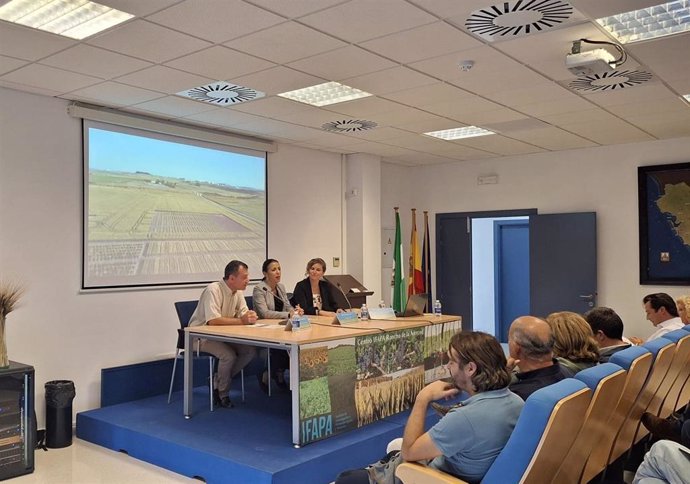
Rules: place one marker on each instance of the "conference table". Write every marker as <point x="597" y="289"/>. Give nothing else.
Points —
<point x="343" y="376"/>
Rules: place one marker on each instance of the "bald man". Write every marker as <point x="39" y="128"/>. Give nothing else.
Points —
<point x="530" y="342"/>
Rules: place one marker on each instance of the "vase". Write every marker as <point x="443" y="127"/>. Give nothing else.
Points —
<point x="4" y="361"/>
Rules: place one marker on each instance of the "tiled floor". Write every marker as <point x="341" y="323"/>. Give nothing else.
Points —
<point x="86" y="463"/>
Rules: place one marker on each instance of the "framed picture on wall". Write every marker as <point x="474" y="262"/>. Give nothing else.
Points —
<point x="664" y="214"/>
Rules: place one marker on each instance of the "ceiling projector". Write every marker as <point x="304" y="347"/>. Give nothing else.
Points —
<point x="590" y="62"/>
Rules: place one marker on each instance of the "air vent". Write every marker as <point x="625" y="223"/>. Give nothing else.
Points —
<point x="222" y="94"/>
<point x="349" y="126"/>
<point x="608" y="81"/>
<point x="515" y="19"/>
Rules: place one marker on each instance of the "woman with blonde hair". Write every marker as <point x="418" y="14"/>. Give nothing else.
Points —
<point x="575" y="346"/>
<point x="683" y="306"/>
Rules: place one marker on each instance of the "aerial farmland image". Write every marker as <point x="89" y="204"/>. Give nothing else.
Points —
<point x="170" y="214"/>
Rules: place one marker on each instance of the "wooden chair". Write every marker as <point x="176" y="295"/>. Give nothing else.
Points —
<point x="544" y="432"/>
<point x="606" y="382"/>
<point x="681" y="366"/>
<point x="662" y="351"/>
<point x="637" y="361"/>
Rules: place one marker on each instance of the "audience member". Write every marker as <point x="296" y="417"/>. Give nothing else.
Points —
<point x="607" y="328"/>
<point x="313" y="294"/>
<point x="223" y="303"/>
<point x="574" y="345"/>
<point x="662" y="313"/>
<point x="467" y="440"/>
<point x="666" y="462"/>
<point x="271" y="302"/>
<point x="530" y="343"/>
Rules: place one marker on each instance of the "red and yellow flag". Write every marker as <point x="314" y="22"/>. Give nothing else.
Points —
<point x="415" y="283"/>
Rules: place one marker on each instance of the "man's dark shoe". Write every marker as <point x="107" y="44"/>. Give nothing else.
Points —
<point x="225" y="402"/>
<point x="216" y="397"/>
<point x="441" y="410"/>
<point x="661" y="428"/>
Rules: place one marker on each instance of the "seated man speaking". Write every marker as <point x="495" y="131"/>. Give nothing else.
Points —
<point x="223" y="303"/>
<point x="467" y="440"/>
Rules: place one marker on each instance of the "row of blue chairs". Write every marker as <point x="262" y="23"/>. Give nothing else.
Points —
<point x="570" y="431"/>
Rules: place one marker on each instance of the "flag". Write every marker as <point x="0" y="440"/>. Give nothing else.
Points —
<point x="415" y="284"/>
<point x="426" y="262"/>
<point x="399" y="294"/>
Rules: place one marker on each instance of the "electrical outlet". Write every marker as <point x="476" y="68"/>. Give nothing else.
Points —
<point x="336" y="261"/>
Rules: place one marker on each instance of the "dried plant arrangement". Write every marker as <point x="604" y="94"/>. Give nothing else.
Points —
<point x="10" y="294"/>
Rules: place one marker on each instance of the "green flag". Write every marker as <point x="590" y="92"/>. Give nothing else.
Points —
<point x="399" y="289"/>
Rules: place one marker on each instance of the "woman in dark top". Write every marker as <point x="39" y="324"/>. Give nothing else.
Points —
<point x="313" y="294"/>
<point x="271" y="302"/>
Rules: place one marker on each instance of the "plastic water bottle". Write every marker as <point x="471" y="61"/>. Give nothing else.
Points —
<point x="437" y="308"/>
<point x="382" y="303"/>
<point x="295" y="321"/>
<point x="364" y="313"/>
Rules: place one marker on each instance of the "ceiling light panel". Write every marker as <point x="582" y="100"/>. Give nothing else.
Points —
<point x="76" y="19"/>
<point x="649" y="23"/>
<point x="686" y="97"/>
<point x="325" y="94"/>
<point x="458" y="133"/>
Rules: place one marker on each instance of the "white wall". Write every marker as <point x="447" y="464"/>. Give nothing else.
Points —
<point x="483" y="304"/>
<point x="68" y="335"/>
<point x="603" y="180"/>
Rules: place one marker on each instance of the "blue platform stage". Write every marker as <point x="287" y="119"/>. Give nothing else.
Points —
<point x="251" y="443"/>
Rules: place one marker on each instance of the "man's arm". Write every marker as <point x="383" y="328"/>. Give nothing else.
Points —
<point x="417" y="444"/>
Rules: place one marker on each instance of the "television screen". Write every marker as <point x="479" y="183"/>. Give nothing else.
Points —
<point x="166" y="210"/>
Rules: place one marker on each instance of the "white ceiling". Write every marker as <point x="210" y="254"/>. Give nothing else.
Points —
<point x="405" y="52"/>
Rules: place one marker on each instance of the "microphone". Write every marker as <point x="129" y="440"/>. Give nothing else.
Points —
<point x="278" y="296"/>
<point x="349" y="306"/>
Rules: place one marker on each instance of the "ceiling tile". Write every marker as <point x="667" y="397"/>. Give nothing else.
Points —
<point x="592" y="114"/>
<point x="342" y="63"/>
<point x="137" y="7"/>
<point x="515" y="96"/>
<point x="286" y="42"/>
<point x="216" y="20"/>
<point x="8" y="64"/>
<point x="277" y="80"/>
<point x="447" y="8"/>
<point x="366" y="106"/>
<point x="500" y="145"/>
<point x="668" y="106"/>
<point x="164" y="79"/>
<point x="569" y="103"/>
<point x="361" y="20"/>
<point x="436" y="123"/>
<point x="148" y="41"/>
<point x="173" y="106"/>
<point x="389" y="80"/>
<point x="27" y="88"/>
<point x="379" y="134"/>
<point x="85" y="59"/>
<point x="459" y="108"/>
<point x="552" y="138"/>
<point x="29" y="44"/>
<point x="220" y="63"/>
<point x="295" y="8"/>
<point x="428" y="94"/>
<point x="314" y="117"/>
<point x="647" y="92"/>
<point x="272" y="107"/>
<point x="598" y="9"/>
<point x="503" y="115"/>
<point x="226" y="117"/>
<point x="113" y="93"/>
<point x="609" y="132"/>
<point x="45" y="77"/>
<point x="421" y="43"/>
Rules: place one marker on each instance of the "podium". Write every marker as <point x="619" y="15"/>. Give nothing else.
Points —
<point x="355" y="292"/>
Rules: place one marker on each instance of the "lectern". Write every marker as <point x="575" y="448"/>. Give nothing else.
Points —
<point x="355" y="292"/>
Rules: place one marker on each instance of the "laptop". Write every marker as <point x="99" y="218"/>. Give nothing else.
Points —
<point x="415" y="305"/>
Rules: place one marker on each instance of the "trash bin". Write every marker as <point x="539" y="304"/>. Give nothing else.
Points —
<point x="59" y="396"/>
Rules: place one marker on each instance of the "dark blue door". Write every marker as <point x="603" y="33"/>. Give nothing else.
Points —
<point x="563" y="262"/>
<point x="454" y="266"/>
<point x="511" y="273"/>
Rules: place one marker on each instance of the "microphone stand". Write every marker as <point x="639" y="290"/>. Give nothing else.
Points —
<point x="349" y="306"/>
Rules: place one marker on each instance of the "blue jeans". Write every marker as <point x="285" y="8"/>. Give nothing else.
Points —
<point x="666" y="462"/>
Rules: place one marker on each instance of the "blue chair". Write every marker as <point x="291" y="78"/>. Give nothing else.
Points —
<point x="544" y="432"/>
<point x="636" y="361"/>
<point x="678" y="372"/>
<point x="606" y="382"/>
<point x="184" y="310"/>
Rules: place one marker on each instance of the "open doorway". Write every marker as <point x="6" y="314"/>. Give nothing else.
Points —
<point x="494" y="266"/>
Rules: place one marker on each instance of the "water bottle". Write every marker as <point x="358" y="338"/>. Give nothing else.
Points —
<point x="382" y="304"/>
<point x="364" y="313"/>
<point x="437" y="308"/>
<point x="295" y="321"/>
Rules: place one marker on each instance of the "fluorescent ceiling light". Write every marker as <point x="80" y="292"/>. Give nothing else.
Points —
<point x="325" y="94"/>
<point x="649" y="23"/>
<point x="457" y="133"/>
<point x="77" y="19"/>
<point x="686" y="97"/>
